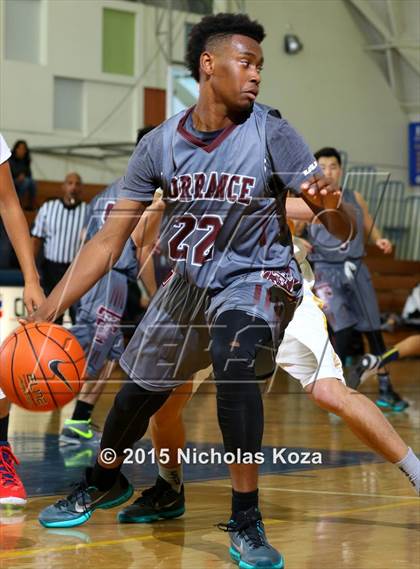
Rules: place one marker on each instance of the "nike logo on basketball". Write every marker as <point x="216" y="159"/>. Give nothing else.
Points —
<point x="53" y="365"/>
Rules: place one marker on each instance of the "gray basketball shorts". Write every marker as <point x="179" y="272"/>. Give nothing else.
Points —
<point x="172" y="342"/>
<point x="349" y="299"/>
<point x="98" y="321"/>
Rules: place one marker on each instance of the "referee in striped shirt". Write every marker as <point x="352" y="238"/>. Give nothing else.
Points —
<point x="57" y="228"/>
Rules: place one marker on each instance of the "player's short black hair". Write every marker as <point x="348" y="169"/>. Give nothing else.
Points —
<point x="328" y="152"/>
<point x="142" y="132"/>
<point x="220" y="26"/>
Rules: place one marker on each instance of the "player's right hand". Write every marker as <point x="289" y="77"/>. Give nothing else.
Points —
<point x="321" y="192"/>
<point x="33" y="296"/>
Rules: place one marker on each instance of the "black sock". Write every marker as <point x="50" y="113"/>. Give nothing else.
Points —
<point x="243" y="501"/>
<point x="4" y="427"/>
<point x="82" y="411"/>
<point x="104" y="478"/>
<point x="385" y="384"/>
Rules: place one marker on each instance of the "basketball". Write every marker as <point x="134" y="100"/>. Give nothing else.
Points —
<point x="41" y="366"/>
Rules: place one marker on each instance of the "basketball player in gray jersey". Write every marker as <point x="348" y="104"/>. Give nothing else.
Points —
<point x="227" y="165"/>
<point x="305" y="353"/>
<point x="98" y="322"/>
<point x="344" y="284"/>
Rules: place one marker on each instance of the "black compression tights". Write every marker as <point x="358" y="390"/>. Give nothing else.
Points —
<point x="129" y="416"/>
<point x="343" y="339"/>
<point x="236" y="339"/>
<point x="376" y="342"/>
<point x="239" y="401"/>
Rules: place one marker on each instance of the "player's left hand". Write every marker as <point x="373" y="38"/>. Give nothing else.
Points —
<point x="33" y="296"/>
<point x="321" y="192"/>
<point x="384" y="245"/>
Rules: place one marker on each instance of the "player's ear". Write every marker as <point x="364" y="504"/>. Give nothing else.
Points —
<point x="207" y="63"/>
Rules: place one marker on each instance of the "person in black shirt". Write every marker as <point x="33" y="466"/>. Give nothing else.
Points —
<point x="20" y="164"/>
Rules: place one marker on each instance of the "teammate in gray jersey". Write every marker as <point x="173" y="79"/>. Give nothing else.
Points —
<point x="343" y="281"/>
<point x="235" y="284"/>
<point x="98" y="323"/>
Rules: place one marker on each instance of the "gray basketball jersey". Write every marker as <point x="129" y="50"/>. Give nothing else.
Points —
<point x="222" y="218"/>
<point x="99" y="209"/>
<point x="329" y="249"/>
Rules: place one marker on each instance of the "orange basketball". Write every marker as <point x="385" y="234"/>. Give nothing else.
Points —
<point x="41" y="366"/>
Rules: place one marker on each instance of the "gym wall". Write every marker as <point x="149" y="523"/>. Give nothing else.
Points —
<point x="70" y="90"/>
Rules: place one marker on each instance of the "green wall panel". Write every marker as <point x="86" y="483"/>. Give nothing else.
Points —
<point x="118" y="35"/>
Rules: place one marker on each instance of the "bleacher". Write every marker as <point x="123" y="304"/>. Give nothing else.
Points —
<point x="396" y="212"/>
<point x="395" y="209"/>
<point x="393" y="279"/>
<point x="49" y="189"/>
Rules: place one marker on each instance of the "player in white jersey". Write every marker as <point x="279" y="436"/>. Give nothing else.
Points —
<point x="11" y="487"/>
<point x="306" y="352"/>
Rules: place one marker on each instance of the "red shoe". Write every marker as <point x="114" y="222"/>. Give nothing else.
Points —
<point x="12" y="490"/>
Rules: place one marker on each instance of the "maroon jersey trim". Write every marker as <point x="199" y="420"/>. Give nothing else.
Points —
<point x="196" y="141"/>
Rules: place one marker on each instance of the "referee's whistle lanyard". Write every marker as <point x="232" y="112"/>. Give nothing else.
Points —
<point x="71" y="205"/>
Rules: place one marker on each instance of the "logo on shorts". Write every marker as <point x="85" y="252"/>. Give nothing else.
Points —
<point x="324" y="292"/>
<point x="107" y="324"/>
<point x="285" y="280"/>
<point x="53" y="365"/>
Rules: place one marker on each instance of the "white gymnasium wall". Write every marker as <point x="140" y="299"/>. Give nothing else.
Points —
<point x="336" y="95"/>
<point x="71" y="48"/>
<point x="332" y="91"/>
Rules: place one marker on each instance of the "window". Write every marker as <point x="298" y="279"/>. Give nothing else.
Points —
<point x="118" y="34"/>
<point x="193" y="6"/>
<point x="68" y="103"/>
<point x="23" y="30"/>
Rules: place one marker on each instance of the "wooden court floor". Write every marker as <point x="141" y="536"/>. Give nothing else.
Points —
<point x="351" y="511"/>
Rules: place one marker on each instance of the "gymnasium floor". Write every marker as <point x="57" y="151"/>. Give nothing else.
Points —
<point x="351" y="511"/>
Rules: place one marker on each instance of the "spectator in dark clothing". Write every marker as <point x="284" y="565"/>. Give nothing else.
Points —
<point x="20" y="164"/>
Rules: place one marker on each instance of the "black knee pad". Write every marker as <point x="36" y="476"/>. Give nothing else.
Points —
<point x="236" y="340"/>
<point x="130" y="397"/>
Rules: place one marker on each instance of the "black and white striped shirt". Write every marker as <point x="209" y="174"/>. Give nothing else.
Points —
<point x="60" y="226"/>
